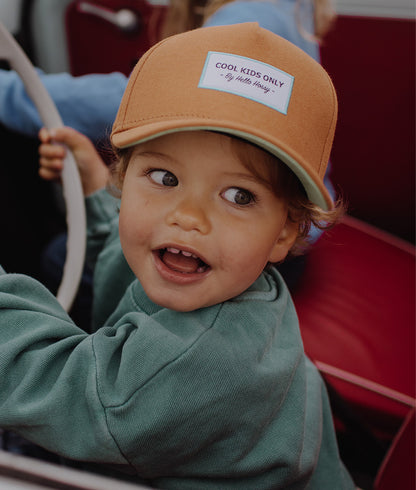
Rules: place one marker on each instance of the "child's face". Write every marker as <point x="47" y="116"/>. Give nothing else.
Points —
<point x="196" y="227"/>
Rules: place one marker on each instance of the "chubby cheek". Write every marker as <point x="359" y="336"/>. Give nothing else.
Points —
<point x="244" y="262"/>
<point x="125" y="228"/>
<point x="133" y="232"/>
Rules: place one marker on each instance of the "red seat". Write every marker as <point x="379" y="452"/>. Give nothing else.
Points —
<point x="356" y="305"/>
<point x="401" y="455"/>
<point x="97" y="46"/>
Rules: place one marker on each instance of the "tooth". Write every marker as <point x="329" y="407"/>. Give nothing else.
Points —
<point x="201" y="269"/>
<point x="187" y="254"/>
<point x="173" y="250"/>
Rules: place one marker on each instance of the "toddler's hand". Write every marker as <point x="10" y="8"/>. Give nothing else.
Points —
<point x="93" y="171"/>
<point x="51" y="156"/>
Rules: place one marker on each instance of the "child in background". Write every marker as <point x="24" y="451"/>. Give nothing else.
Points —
<point x="197" y="376"/>
<point x="89" y="103"/>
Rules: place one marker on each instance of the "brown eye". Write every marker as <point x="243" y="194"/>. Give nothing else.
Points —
<point x="163" y="177"/>
<point x="238" y="196"/>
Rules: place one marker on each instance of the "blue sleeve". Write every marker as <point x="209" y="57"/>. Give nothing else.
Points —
<point x="279" y="17"/>
<point x="87" y="103"/>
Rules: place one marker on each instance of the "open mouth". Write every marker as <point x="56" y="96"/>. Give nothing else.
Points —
<point x="182" y="261"/>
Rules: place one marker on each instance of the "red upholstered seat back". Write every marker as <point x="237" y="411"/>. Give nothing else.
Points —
<point x="401" y="456"/>
<point x="356" y="305"/>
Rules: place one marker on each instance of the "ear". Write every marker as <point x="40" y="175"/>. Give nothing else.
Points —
<point x="284" y="242"/>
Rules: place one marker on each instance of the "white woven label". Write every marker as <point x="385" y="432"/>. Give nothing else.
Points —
<point x="248" y="78"/>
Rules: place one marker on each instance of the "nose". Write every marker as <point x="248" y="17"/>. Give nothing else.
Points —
<point x="190" y="215"/>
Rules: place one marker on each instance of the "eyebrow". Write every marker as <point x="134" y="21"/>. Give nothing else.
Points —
<point x="248" y="177"/>
<point x="151" y="153"/>
<point x="162" y="157"/>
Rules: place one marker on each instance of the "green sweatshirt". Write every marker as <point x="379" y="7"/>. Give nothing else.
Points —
<point x="217" y="398"/>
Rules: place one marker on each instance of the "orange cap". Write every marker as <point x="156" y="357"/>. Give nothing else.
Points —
<point x="241" y="80"/>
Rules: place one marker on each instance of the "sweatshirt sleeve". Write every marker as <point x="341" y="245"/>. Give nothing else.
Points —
<point x="102" y="218"/>
<point x="87" y="103"/>
<point x="65" y="389"/>
<point x="48" y="389"/>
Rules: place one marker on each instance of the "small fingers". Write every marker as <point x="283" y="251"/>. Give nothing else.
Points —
<point x="52" y="151"/>
<point x="44" y="135"/>
<point x="64" y="134"/>
<point x="50" y="168"/>
<point x="46" y="174"/>
<point x="54" y="164"/>
<point x="51" y="156"/>
<point x="49" y="174"/>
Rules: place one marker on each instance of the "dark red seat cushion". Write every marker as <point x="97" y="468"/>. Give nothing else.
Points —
<point x="356" y="306"/>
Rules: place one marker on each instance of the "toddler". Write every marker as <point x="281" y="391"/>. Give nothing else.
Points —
<point x="195" y="375"/>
